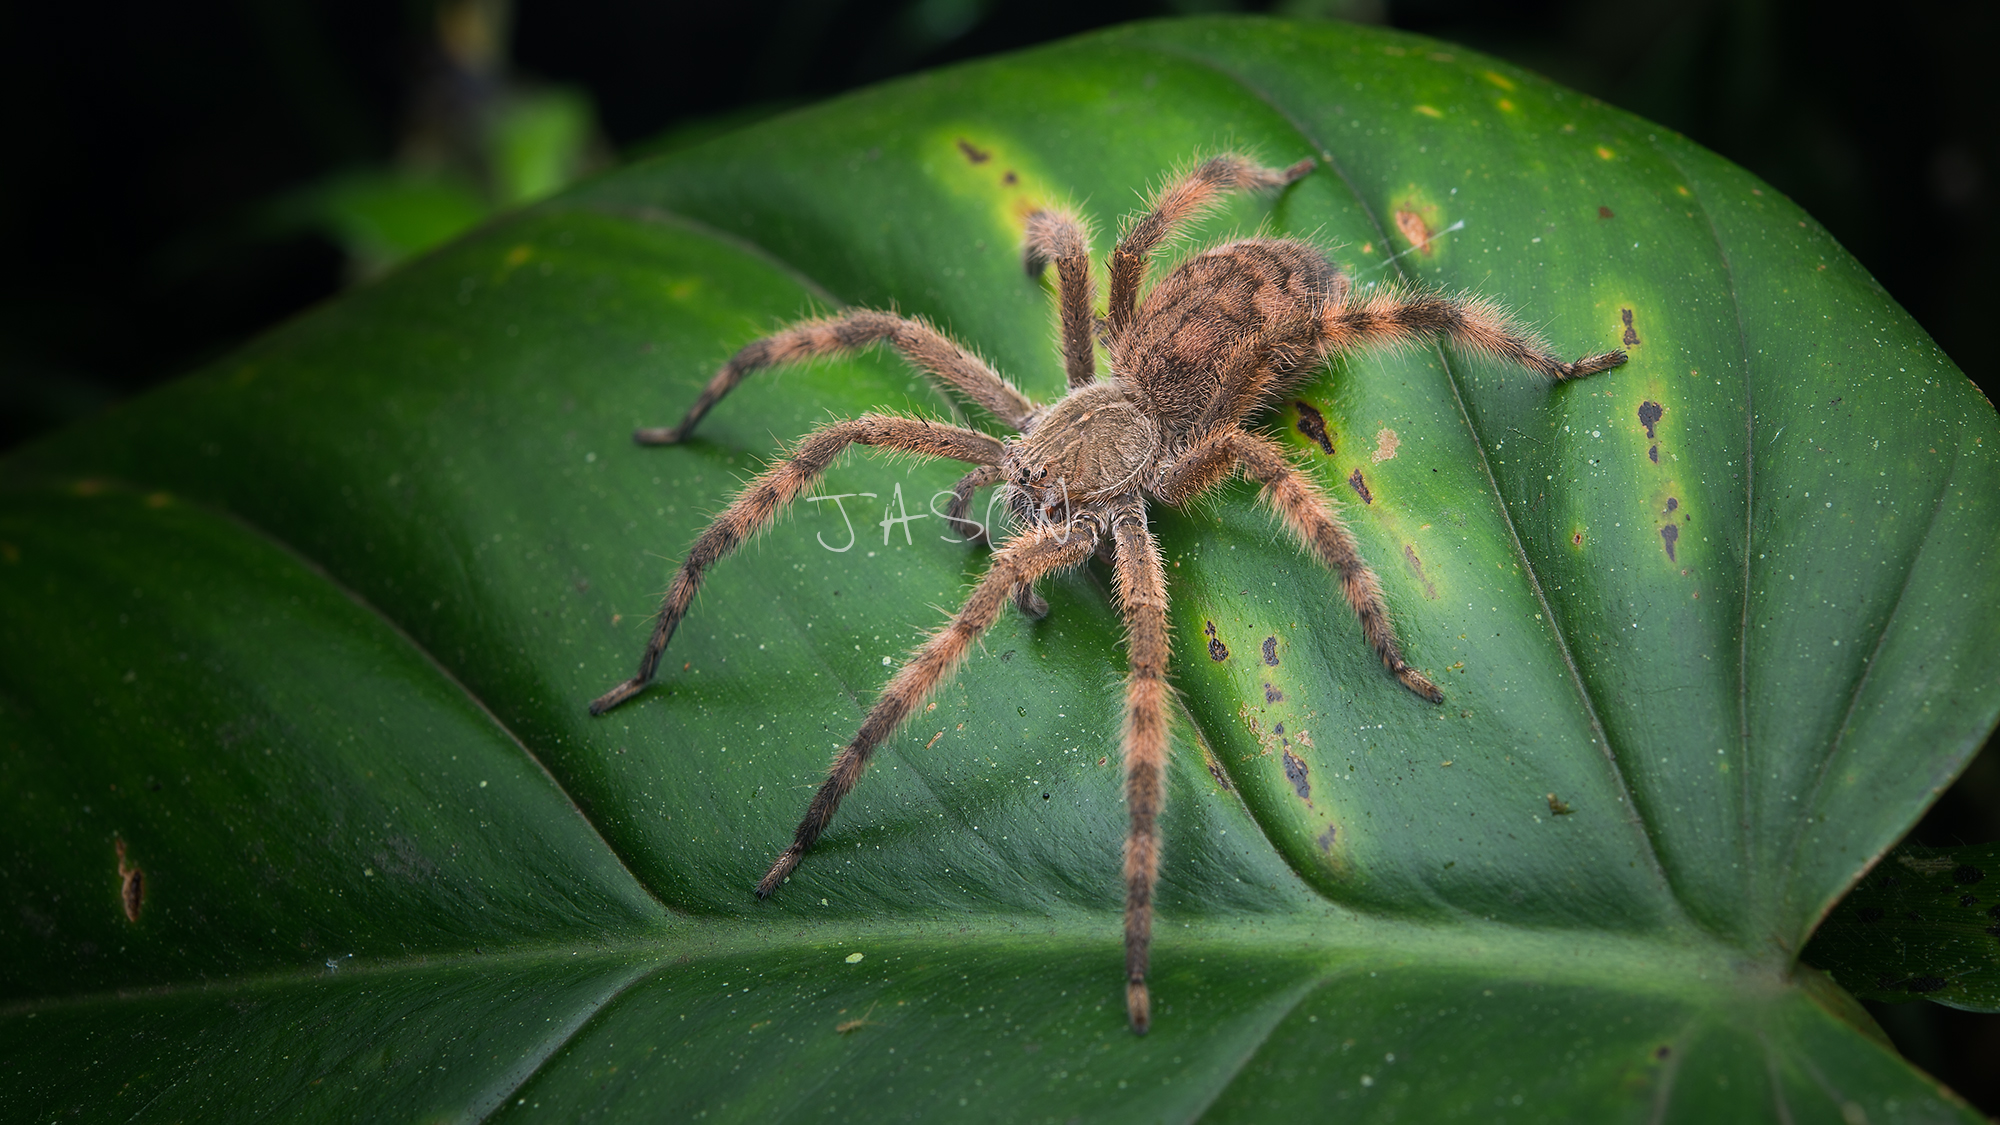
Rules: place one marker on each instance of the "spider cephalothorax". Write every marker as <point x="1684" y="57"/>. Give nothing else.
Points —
<point x="1212" y="344"/>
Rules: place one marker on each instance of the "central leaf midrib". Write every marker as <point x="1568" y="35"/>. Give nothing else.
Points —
<point x="1641" y="965"/>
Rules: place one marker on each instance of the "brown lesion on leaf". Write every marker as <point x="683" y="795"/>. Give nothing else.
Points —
<point x="1415" y="230"/>
<point x="1650" y="412"/>
<point x="973" y="153"/>
<point x="1359" y="484"/>
<point x="1296" y="773"/>
<point x="1605" y="213"/>
<point x="1417" y="565"/>
<point x="1631" y="333"/>
<point x="1313" y="424"/>
<point x="1327" y="838"/>
<point x="1217" y="651"/>
<point x="1271" y="651"/>
<point x="131" y="884"/>
<point x="1669" y="535"/>
<point x="1272" y="694"/>
<point x="1559" y="807"/>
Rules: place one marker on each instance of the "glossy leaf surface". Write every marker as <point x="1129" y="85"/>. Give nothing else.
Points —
<point x="302" y="646"/>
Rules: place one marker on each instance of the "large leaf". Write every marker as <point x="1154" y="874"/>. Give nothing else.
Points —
<point x="305" y="817"/>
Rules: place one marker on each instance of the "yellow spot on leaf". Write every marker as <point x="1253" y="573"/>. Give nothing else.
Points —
<point x="1427" y="111"/>
<point x="1505" y="105"/>
<point x="519" y="256"/>
<point x="159" y="500"/>
<point x="1682" y="188"/>
<point x="1498" y="79"/>
<point x="1605" y="153"/>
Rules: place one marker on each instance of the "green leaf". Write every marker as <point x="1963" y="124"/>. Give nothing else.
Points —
<point x="1925" y="925"/>
<point x="301" y="647"/>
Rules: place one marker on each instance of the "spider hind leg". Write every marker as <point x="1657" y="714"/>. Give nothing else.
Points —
<point x="1015" y="566"/>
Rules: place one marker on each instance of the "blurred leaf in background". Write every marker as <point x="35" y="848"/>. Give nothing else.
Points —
<point x="480" y="140"/>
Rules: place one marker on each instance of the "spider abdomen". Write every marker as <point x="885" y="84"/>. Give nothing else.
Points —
<point x="1248" y="309"/>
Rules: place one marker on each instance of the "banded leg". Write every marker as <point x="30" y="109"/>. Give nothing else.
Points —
<point x="1016" y="564"/>
<point x="849" y="332"/>
<point x="1142" y="600"/>
<point x="757" y="505"/>
<point x="1061" y="237"/>
<point x="1395" y="317"/>
<point x="1309" y="513"/>
<point x="1187" y="196"/>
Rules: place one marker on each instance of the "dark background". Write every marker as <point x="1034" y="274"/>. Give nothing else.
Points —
<point x="145" y="143"/>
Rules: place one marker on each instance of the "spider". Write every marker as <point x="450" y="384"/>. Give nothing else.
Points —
<point x="1192" y="359"/>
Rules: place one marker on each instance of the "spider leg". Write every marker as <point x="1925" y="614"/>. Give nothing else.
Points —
<point x="1019" y="562"/>
<point x="1142" y="599"/>
<point x="1396" y="317"/>
<point x="1185" y="197"/>
<point x="1309" y="513"/>
<point x="852" y="331"/>
<point x="757" y="505"/>
<point x="1061" y="237"/>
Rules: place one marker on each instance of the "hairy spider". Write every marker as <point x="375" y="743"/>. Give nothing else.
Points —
<point x="1208" y="347"/>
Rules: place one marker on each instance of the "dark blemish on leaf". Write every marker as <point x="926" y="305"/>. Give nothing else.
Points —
<point x="1273" y="695"/>
<point x="1662" y="1051"/>
<point x="1654" y="453"/>
<point x="1010" y="179"/>
<point x="1222" y="779"/>
<point x="1670" y="533"/>
<point x="1993" y="929"/>
<point x="1313" y="424"/>
<point x="1605" y="213"/>
<point x="1360" y="487"/>
<point x="1045" y="796"/>
<point x="1968" y="900"/>
<point x="131" y="884"/>
<point x="1559" y="807"/>
<point x="1924" y="984"/>
<point x="1631" y="333"/>
<point x="1326" y="839"/>
<point x="971" y="153"/>
<point x="1870" y="914"/>
<point x="1006" y="656"/>
<point x="1280" y="728"/>
<point x="1417" y="564"/>
<point x="1217" y="651"/>
<point x="1649" y="414"/>
<point x="1993" y="911"/>
<point x="1295" y="772"/>
<point x="1271" y="651"/>
<point x="1576" y="538"/>
<point x="1672" y="503"/>
<point x="1965" y="874"/>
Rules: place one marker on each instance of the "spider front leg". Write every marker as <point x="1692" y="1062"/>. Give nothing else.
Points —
<point x="1061" y="237"/>
<point x="1142" y="600"/>
<point x="1391" y="316"/>
<point x="1309" y="513"/>
<point x="849" y="332"/>
<point x="1185" y="197"/>
<point x="1015" y="565"/>
<point x="758" y="504"/>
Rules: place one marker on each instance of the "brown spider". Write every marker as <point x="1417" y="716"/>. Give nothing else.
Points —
<point x="1226" y="332"/>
